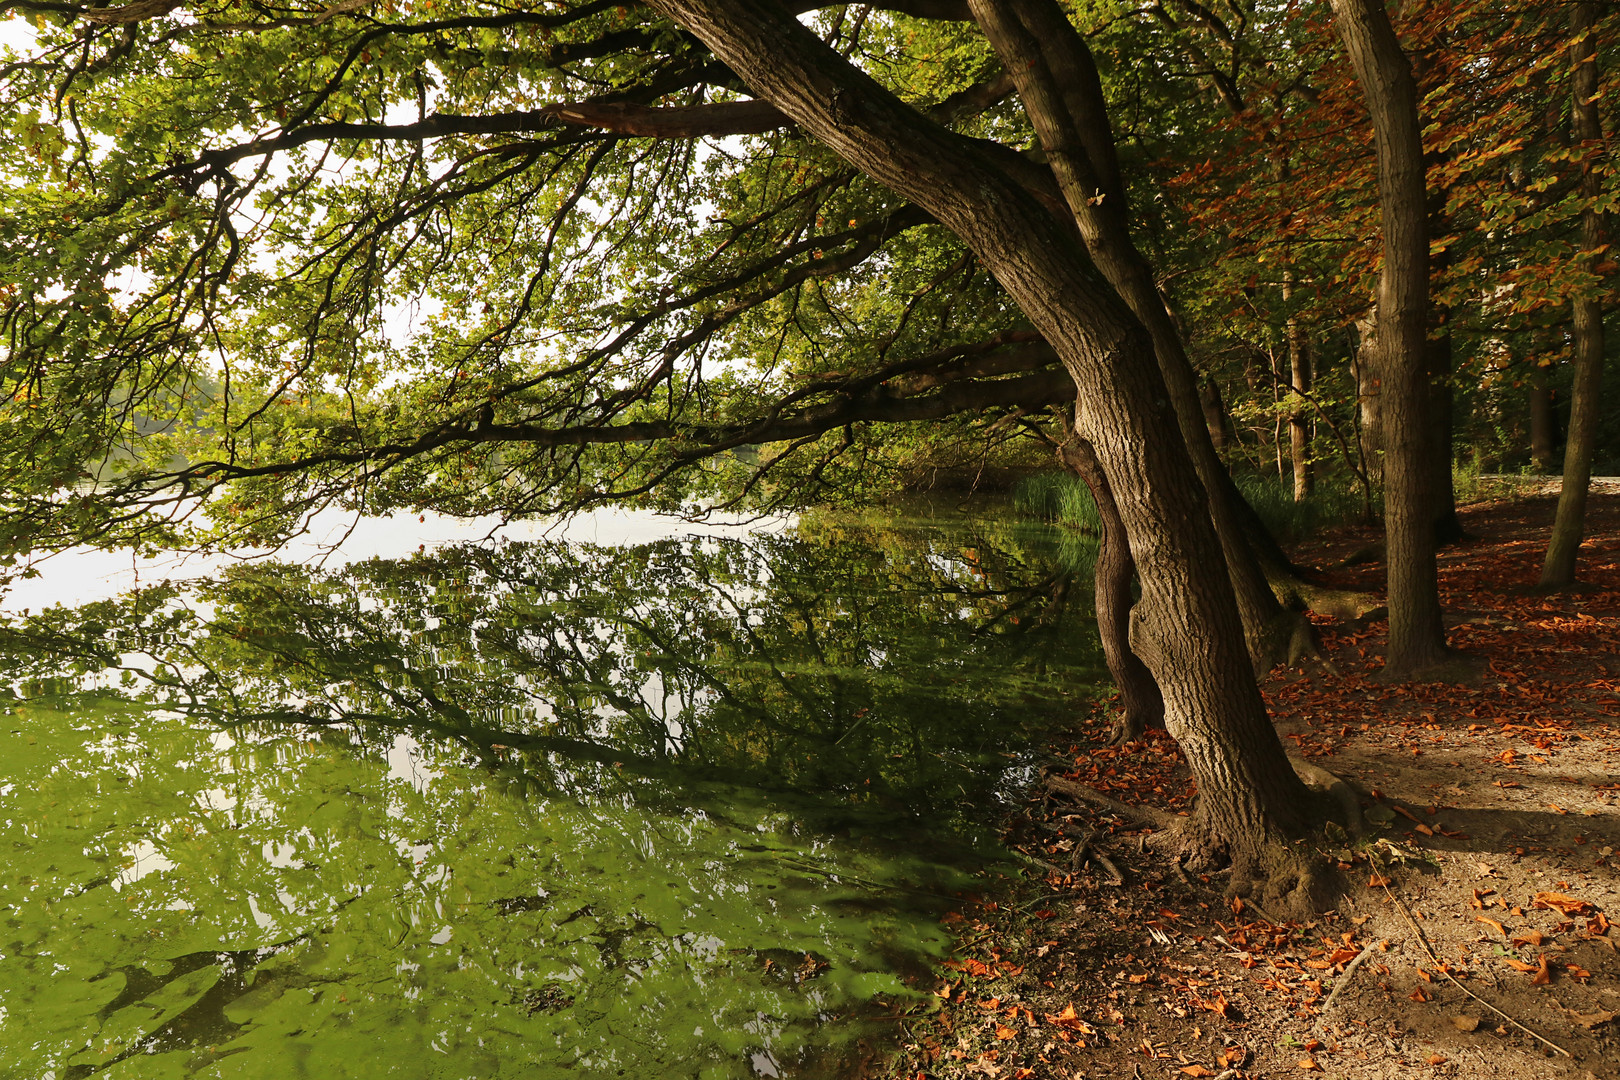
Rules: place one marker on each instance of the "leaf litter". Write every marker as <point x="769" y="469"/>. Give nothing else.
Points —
<point x="1481" y="938"/>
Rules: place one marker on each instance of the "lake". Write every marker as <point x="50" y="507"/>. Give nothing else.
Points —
<point x="619" y="799"/>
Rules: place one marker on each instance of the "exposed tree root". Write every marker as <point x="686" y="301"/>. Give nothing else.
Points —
<point x="1145" y="815"/>
<point x="1319" y="779"/>
<point x="1296" y="593"/>
<point x="1286" y="640"/>
<point x="1133" y="724"/>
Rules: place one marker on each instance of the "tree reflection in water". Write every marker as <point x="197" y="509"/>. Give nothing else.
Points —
<point x="693" y="806"/>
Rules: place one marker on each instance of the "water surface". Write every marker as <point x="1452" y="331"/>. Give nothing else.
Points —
<point x="540" y="808"/>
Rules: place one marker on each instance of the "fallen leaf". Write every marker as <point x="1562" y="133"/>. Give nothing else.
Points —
<point x="1197" y="1070"/>
<point x="1568" y="905"/>
<point x="1437" y="1059"/>
<point x="1518" y="965"/>
<point x="1493" y="924"/>
<point x="1529" y="937"/>
<point x="1424" y="829"/>
<point x="1310" y="1065"/>
<point x="1419" y="995"/>
<point x="1377" y="881"/>
<point x="1067" y="1018"/>
<point x="1004" y="1032"/>
<point x="1465" y="1023"/>
<point x="1543" y="974"/>
<point x="1137" y="979"/>
<point x="1592" y="1020"/>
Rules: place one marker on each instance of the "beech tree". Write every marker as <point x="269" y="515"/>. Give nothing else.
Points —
<point x="481" y="257"/>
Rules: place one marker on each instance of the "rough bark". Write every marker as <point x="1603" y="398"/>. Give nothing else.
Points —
<point x="1417" y="641"/>
<point x="1141" y="702"/>
<point x="1058" y="82"/>
<point x="1191" y="637"/>
<point x="1569" y="525"/>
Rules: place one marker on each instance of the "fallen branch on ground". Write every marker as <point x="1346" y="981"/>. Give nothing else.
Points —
<point x="1145" y="815"/>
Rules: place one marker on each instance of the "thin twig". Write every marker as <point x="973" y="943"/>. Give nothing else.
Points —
<point x="1344" y="980"/>
<point x="1441" y="967"/>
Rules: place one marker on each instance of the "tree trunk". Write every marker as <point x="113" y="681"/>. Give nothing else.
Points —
<point x="1216" y="418"/>
<point x="1299" y="410"/>
<point x="1369" y="400"/>
<point x="1569" y="525"/>
<point x="1141" y="702"/>
<point x="1251" y="803"/>
<point x="1447" y="526"/>
<point x="1543" y="423"/>
<point x="1417" y="638"/>
<point x="1057" y="79"/>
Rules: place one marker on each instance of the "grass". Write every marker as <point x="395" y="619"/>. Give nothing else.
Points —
<point x="1273" y="500"/>
<point x="1058" y="497"/>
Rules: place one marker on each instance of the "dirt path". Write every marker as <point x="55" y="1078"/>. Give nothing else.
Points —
<point x="1475" y="936"/>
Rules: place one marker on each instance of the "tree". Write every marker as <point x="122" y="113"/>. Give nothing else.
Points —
<point x="617" y="309"/>
<point x="1586" y="309"/>
<point x="1417" y="637"/>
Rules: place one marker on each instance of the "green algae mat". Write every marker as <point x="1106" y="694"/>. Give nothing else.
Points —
<point x="686" y="809"/>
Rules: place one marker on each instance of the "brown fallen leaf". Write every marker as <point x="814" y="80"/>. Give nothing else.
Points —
<point x="1437" y="1059"/>
<point x="1004" y="1032"/>
<point x="1310" y="1065"/>
<point x="1517" y="964"/>
<point x="1592" y="1020"/>
<point x="1493" y="924"/>
<point x="1529" y="937"/>
<point x="1465" y="1023"/>
<point x="1197" y="1070"/>
<point x="1424" y="829"/>
<point x="1568" y="905"/>
<point x="1543" y="974"/>
<point x="1377" y="881"/>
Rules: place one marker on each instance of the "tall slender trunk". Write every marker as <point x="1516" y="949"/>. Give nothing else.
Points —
<point x="1216" y="418"/>
<point x="1543" y="423"/>
<point x="1569" y="525"/>
<point x="1299" y="410"/>
<point x="1057" y="79"/>
<point x="1417" y="638"/>
<point x="1369" y="399"/>
<point x="1141" y="701"/>
<point x="1447" y="526"/>
<point x="1190" y="637"/>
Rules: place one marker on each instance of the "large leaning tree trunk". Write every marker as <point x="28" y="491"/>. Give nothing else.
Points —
<point x="1140" y="700"/>
<point x="1058" y="82"/>
<point x="1251" y="801"/>
<point x="1569" y="526"/>
<point x="1417" y="638"/>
